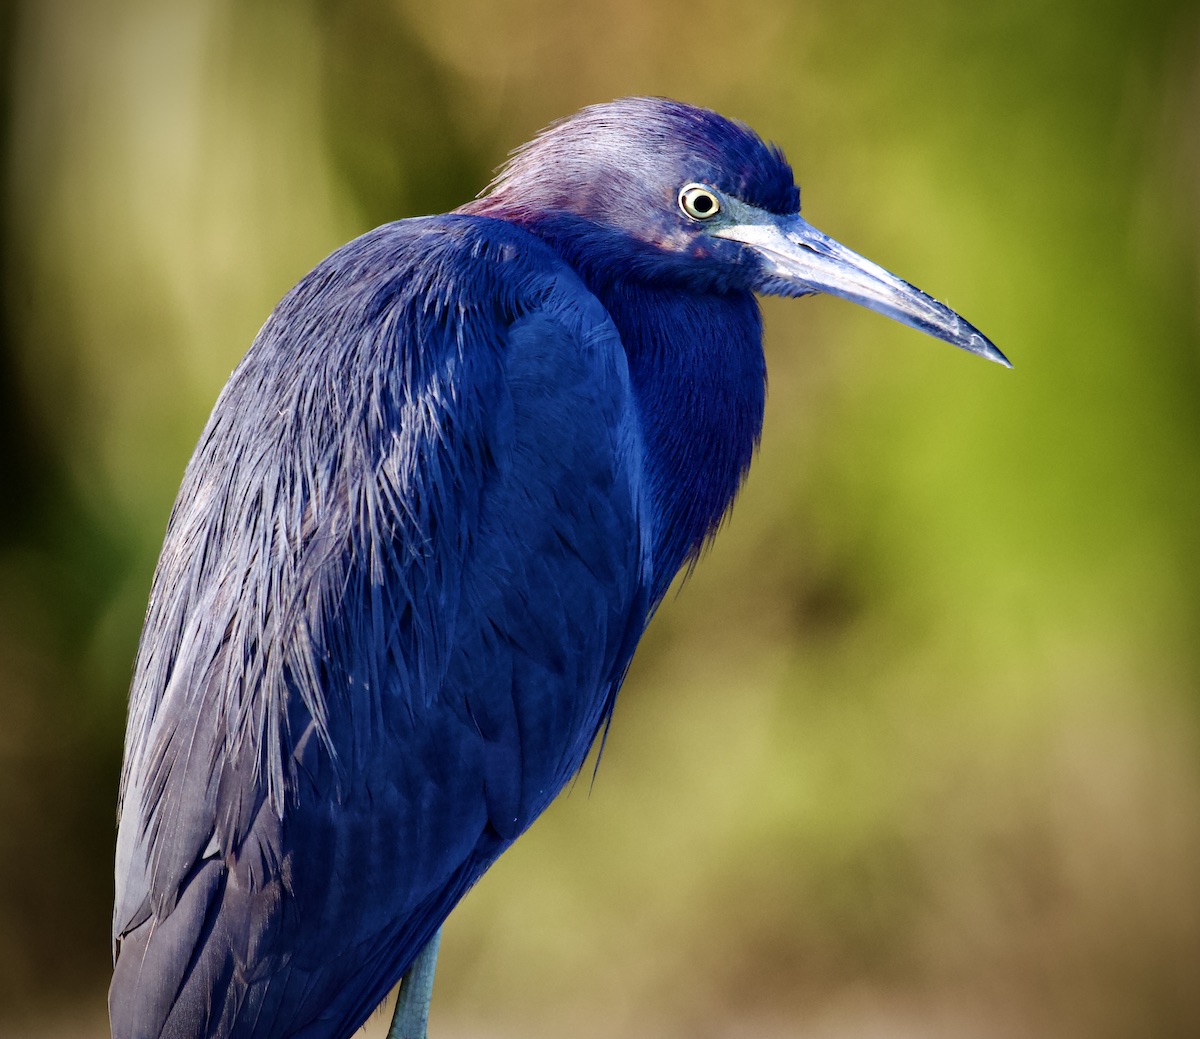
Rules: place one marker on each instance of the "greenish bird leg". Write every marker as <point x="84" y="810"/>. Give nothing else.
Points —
<point x="411" y="1019"/>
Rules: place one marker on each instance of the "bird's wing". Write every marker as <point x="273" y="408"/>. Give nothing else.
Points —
<point x="403" y="578"/>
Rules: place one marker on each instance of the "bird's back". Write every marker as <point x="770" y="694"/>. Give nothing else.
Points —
<point x="403" y="578"/>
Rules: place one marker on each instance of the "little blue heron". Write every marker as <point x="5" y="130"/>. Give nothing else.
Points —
<point x="413" y="553"/>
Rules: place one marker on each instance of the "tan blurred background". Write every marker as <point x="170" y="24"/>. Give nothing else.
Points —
<point x="917" y="751"/>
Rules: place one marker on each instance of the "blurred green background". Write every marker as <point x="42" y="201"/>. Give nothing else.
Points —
<point x="915" y="752"/>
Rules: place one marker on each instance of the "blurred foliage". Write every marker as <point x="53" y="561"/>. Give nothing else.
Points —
<point x="915" y="752"/>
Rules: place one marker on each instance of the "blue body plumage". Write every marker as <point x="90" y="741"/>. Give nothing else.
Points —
<point x="416" y="547"/>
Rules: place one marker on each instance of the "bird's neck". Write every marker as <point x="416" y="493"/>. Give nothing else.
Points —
<point x="695" y="362"/>
<point x="699" y="379"/>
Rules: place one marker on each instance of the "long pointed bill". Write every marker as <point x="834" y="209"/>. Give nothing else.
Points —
<point x="799" y="259"/>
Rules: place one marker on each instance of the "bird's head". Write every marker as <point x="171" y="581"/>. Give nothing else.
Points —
<point x="664" y="192"/>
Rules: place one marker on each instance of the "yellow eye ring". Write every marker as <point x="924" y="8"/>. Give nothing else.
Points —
<point x="698" y="202"/>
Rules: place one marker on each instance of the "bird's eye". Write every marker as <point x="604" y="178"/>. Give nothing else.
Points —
<point x="698" y="202"/>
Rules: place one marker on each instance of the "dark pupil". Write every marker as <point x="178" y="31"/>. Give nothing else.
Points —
<point x="702" y="203"/>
